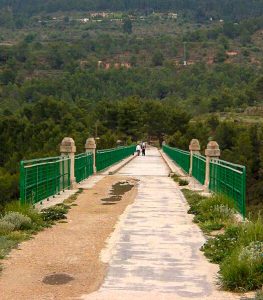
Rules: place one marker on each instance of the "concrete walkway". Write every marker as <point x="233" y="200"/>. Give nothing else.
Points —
<point x="156" y="254"/>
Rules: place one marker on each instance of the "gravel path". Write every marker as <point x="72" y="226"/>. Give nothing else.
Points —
<point x="63" y="262"/>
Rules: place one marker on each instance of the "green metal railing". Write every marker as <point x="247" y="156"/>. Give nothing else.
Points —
<point x="224" y="177"/>
<point x="43" y="178"/>
<point x="198" y="169"/>
<point x="83" y="166"/>
<point x="108" y="157"/>
<point x="181" y="157"/>
<point x="230" y="180"/>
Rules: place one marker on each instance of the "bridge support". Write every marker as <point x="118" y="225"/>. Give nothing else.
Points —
<point x="194" y="148"/>
<point x="90" y="146"/>
<point x="212" y="152"/>
<point x="68" y="148"/>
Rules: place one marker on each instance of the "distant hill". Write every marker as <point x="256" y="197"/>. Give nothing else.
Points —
<point x="200" y="9"/>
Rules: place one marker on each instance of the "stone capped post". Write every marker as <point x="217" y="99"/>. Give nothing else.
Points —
<point x="68" y="148"/>
<point x="90" y="146"/>
<point x="194" y="148"/>
<point x="212" y="152"/>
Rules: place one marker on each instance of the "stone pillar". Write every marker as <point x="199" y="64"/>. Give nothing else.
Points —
<point x="68" y="148"/>
<point x="212" y="152"/>
<point x="90" y="146"/>
<point x="194" y="148"/>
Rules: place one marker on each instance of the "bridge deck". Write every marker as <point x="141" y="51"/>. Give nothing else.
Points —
<point x="156" y="254"/>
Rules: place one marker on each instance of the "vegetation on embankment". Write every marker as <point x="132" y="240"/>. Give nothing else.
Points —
<point x="19" y="222"/>
<point x="236" y="247"/>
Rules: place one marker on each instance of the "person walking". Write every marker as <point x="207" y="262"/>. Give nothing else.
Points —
<point x="143" y="148"/>
<point x="138" y="149"/>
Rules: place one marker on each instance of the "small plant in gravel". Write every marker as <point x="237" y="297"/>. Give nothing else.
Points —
<point x="183" y="182"/>
<point x="5" y="246"/>
<point x="19" y="220"/>
<point x="175" y="177"/>
<point x="55" y="213"/>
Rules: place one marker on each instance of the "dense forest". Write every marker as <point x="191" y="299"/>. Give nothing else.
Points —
<point x="123" y="74"/>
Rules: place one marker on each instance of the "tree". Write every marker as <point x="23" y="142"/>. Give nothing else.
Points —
<point x="127" y="26"/>
<point x="157" y="59"/>
<point x="133" y="60"/>
<point x="220" y="55"/>
<point x="230" y="29"/>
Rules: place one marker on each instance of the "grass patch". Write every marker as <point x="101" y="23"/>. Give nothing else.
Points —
<point x="6" y="245"/>
<point x="218" y="248"/>
<point x="211" y="213"/>
<point x="179" y="180"/>
<point x="259" y="295"/>
<point x="238" y="250"/>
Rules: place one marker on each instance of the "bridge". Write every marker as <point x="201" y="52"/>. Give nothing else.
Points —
<point x="154" y="251"/>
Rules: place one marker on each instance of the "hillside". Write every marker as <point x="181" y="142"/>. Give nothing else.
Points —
<point x="199" y="9"/>
<point x="128" y="75"/>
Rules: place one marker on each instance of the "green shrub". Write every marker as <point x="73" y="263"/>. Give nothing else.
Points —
<point x="54" y="213"/>
<point x="18" y="236"/>
<point x="19" y="220"/>
<point x="251" y="232"/>
<point x="218" y="248"/>
<point x="239" y="272"/>
<point x="6" y="227"/>
<point x="214" y="203"/>
<point x="239" y="251"/>
<point x="193" y="200"/>
<point x="208" y="226"/>
<point x="213" y="213"/>
<point x="26" y="210"/>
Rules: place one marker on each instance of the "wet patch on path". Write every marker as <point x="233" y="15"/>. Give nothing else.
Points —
<point x="117" y="191"/>
<point x="57" y="279"/>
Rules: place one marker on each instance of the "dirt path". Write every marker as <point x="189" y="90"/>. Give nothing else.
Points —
<point x="71" y="249"/>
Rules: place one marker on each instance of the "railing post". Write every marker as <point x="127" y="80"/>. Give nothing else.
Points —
<point x="194" y="148"/>
<point x="90" y="146"/>
<point x="211" y="152"/>
<point x="68" y="148"/>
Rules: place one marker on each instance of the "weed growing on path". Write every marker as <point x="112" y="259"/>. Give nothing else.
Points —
<point x="55" y="213"/>
<point x="181" y="182"/>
